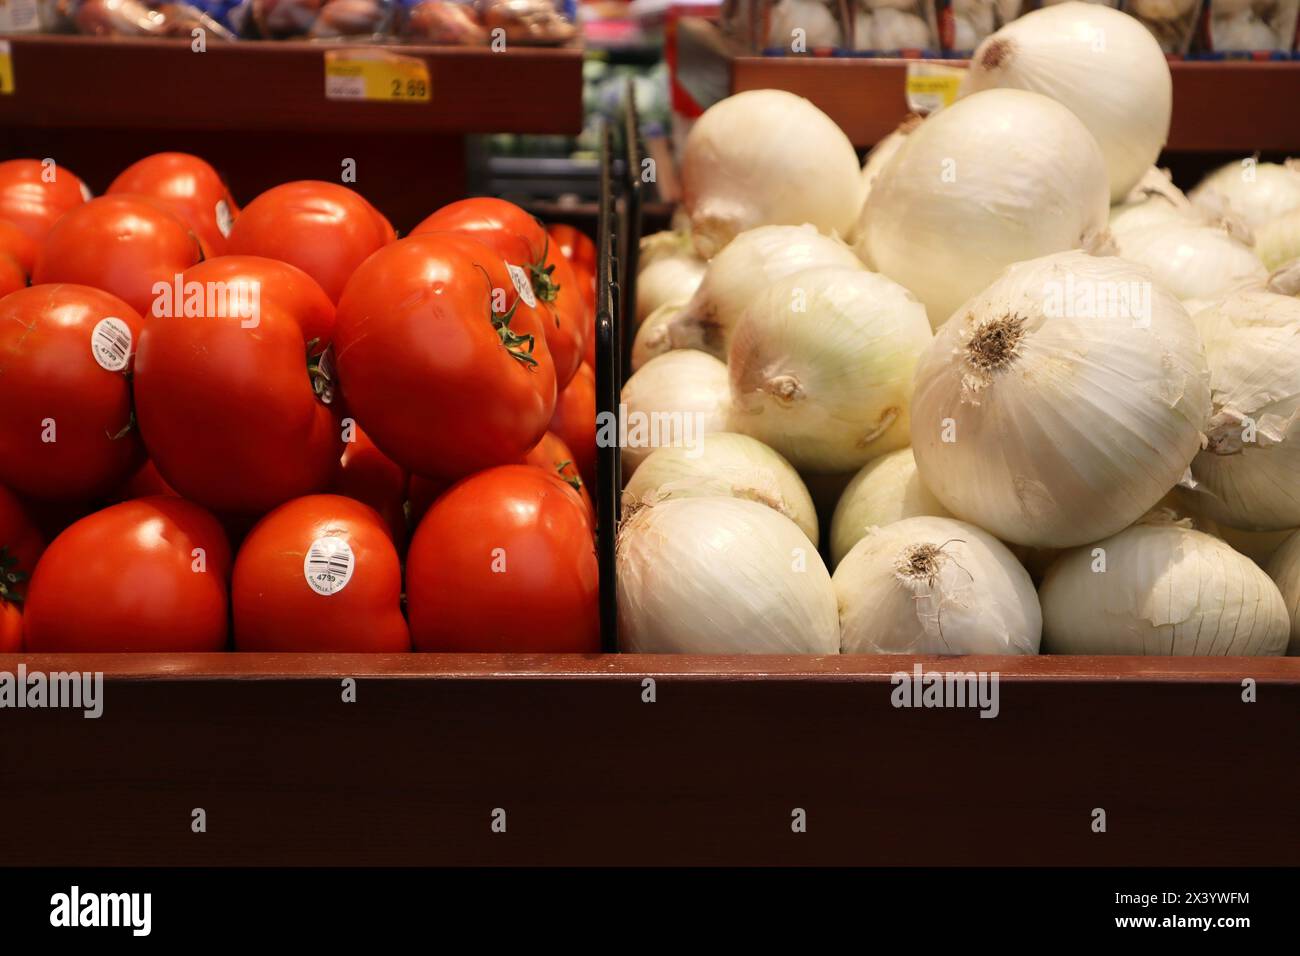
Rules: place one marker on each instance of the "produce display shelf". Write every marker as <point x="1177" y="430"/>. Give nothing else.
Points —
<point x="94" y="82"/>
<point x="1218" y="106"/>
<point x="651" y="760"/>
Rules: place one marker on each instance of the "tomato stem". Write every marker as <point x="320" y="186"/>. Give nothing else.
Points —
<point x="520" y="346"/>
<point x="544" y="285"/>
<point x="10" y="577"/>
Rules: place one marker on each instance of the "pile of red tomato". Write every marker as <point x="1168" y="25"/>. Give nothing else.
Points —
<point x="286" y="429"/>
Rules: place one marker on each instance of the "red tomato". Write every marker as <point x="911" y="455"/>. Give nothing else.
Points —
<point x="16" y="243"/>
<point x="270" y="280"/>
<point x="12" y="276"/>
<point x="367" y="475"/>
<point x="575" y="422"/>
<point x="65" y="360"/>
<point x="121" y="244"/>
<point x="553" y="456"/>
<point x="520" y="239"/>
<point x="228" y="404"/>
<point x="324" y="229"/>
<point x="443" y="384"/>
<point x="505" y="562"/>
<point x="145" y="575"/>
<point x="21" y="544"/>
<point x="34" y="194"/>
<point x="188" y="186"/>
<point x="145" y="483"/>
<point x="575" y="245"/>
<point x="349" y="600"/>
<point x="422" y="493"/>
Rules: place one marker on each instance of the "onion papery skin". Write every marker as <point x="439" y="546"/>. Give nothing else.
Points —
<point x="1121" y="87"/>
<point x="721" y="576"/>
<point x="1284" y="569"/>
<point x="676" y="397"/>
<point x="821" y="367"/>
<point x="1192" y="260"/>
<point x="928" y="585"/>
<point x="767" y="157"/>
<point x="886" y="490"/>
<point x="1165" y="590"/>
<point x="1000" y="176"/>
<point x="1248" y="475"/>
<point x="1049" y="423"/>
<point x="1257" y="192"/>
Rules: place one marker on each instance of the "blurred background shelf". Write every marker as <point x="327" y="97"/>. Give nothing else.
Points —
<point x="1218" y="106"/>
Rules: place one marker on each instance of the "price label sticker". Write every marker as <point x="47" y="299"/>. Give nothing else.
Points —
<point x="376" y="76"/>
<point x="932" y="86"/>
<point x="6" y="69"/>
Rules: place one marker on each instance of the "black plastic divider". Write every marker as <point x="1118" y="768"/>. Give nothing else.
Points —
<point x="609" y="381"/>
<point x="634" y="199"/>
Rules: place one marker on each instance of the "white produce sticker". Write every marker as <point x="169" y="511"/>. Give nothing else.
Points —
<point x="329" y="565"/>
<point x="224" y="219"/>
<point x="110" y="344"/>
<point x="522" y="284"/>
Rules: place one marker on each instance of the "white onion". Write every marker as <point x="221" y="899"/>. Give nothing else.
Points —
<point x="930" y="585"/>
<point x="819" y="26"/>
<point x="1286" y="280"/>
<point x="1284" y="569"/>
<point x="652" y="335"/>
<point x="1121" y="88"/>
<point x="730" y="465"/>
<point x="1164" y="590"/>
<point x="886" y="490"/>
<point x="1258" y="192"/>
<point x="675" y="398"/>
<point x="741" y="271"/>
<point x="998" y="177"/>
<point x="669" y="272"/>
<point x="1259" y="546"/>
<point x="1277" y="242"/>
<point x="1155" y="200"/>
<point x="1248" y="476"/>
<point x="1052" y="410"/>
<point x="766" y="157"/>
<point x="1191" y="260"/>
<point x="1242" y="32"/>
<point x="821" y="367"/>
<point x="1228" y="8"/>
<point x="884" y="151"/>
<point x="721" y="576"/>
<point x="1162" y="9"/>
<point x="891" y="29"/>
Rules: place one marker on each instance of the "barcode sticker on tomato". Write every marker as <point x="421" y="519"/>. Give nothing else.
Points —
<point x="525" y="288"/>
<point x="329" y="565"/>
<point x="224" y="219"/>
<point x="110" y="344"/>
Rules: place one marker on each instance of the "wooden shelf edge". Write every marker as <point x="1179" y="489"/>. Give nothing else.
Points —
<point x="1218" y="106"/>
<point x="610" y="667"/>
<point x="123" y="83"/>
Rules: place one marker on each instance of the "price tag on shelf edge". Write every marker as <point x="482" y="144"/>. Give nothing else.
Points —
<point x="376" y="76"/>
<point x="6" y="69"/>
<point x="932" y="86"/>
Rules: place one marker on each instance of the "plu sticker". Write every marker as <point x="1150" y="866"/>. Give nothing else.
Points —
<point x="329" y="565"/>
<point x="522" y="284"/>
<point x="110" y="344"/>
<point x="224" y="219"/>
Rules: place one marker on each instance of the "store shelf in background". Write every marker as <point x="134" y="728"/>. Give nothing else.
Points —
<point x="93" y="82"/>
<point x="1218" y="107"/>
<point x="591" y="773"/>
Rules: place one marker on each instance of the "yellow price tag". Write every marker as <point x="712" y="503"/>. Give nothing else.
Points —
<point x="932" y="86"/>
<point x="6" y="69"/>
<point x="376" y="76"/>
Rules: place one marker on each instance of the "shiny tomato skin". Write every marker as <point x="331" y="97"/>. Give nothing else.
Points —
<point x="369" y="476"/>
<point x="16" y="243"/>
<point x="505" y="562"/>
<point x="11" y="628"/>
<point x="51" y="386"/>
<point x="121" y="244"/>
<point x="500" y="225"/>
<point x="146" y="575"/>
<point x="33" y="196"/>
<point x="574" y="422"/>
<point x="188" y="186"/>
<point x="229" y="413"/>
<point x="324" y="229"/>
<point x="424" y="369"/>
<point x="12" y="276"/>
<point x="275" y="609"/>
<point x="575" y="245"/>
<point x="553" y="456"/>
<point x="567" y="335"/>
<point x="277" y="282"/>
